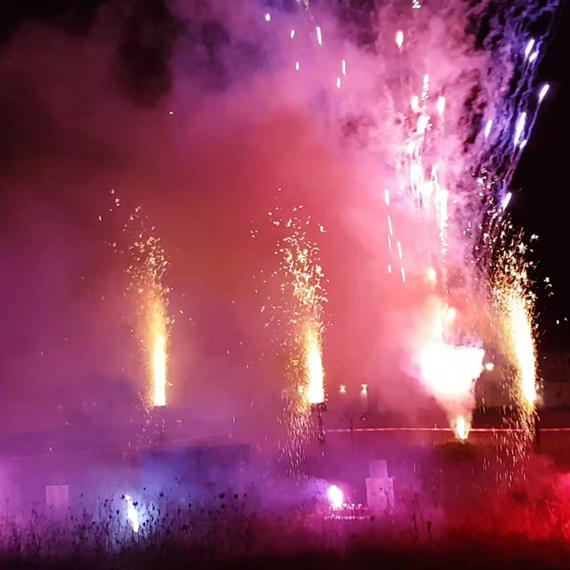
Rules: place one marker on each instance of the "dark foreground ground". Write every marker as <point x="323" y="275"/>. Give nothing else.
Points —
<point x="466" y="554"/>
<point x="490" y="503"/>
<point x="462" y="549"/>
<point x="467" y="523"/>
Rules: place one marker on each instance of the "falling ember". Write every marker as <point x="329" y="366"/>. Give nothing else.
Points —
<point x="447" y="369"/>
<point x="519" y="128"/>
<point x="314" y="367"/>
<point x="529" y="47"/>
<point x="399" y="39"/>
<point x="533" y="56"/>
<point x="415" y="104"/>
<point x="431" y="275"/>
<point x="441" y="105"/>
<point x="543" y="91"/>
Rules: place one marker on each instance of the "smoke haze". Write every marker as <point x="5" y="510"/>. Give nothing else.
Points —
<point x="197" y="113"/>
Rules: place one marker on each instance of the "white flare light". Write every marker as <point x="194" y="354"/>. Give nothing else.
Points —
<point x="132" y="515"/>
<point x="319" y="36"/>
<point x="543" y="91"/>
<point x="336" y="497"/>
<point x="506" y="200"/>
<point x="519" y="128"/>
<point x="529" y="47"/>
<point x="488" y="128"/>
<point x="399" y="39"/>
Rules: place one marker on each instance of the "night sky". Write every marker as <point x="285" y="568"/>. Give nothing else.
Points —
<point x="541" y="199"/>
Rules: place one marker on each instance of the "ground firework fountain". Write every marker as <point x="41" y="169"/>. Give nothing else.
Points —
<point x="514" y="301"/>
<point x="147" y="270"/>
<point x="398" y="126"/>
<point x="301" y="309"/>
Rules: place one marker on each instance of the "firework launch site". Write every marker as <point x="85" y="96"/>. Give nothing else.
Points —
<point x="270" y="295"/>
<point x="417" y="496"/>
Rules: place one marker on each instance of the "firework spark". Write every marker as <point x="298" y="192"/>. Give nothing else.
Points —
<point x="147" y="271"/>
<point x="315" y="382"/>
<point x="302" y="277"/>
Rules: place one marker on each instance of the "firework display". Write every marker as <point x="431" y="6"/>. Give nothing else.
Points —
<point x="447" y="148"/>
<point x="323" y="192"/>
<point x="446" y="135"/>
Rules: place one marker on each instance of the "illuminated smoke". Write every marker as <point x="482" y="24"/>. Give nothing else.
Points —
<point x="448" y="363"/>
<point x="450" y="372"/>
